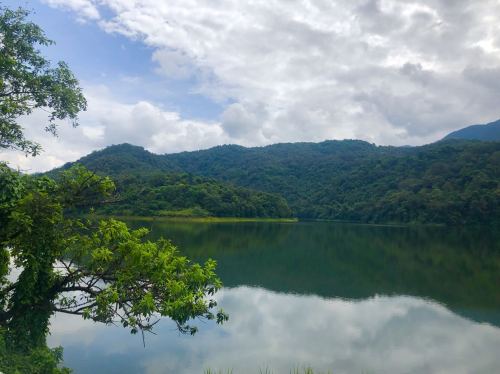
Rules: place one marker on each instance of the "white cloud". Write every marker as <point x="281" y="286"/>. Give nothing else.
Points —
<point x="239" y="122"/>
<point x="173" y="64"/>
<point x="384" y="70"/>
<point x="86" y="10"/>
<point x="107" y="122"/>
<point x="380" y="335"/>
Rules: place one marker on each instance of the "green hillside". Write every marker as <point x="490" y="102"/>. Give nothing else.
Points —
<point x="123" y="159"/>
<point x="146" y="186"/>
<point x="183" y="195"/>
<point x="451" y="182"/>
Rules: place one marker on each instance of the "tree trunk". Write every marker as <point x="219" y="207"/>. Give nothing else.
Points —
<point x="30" y="308"/>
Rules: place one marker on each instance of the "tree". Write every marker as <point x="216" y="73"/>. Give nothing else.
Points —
<point x="28" y="82"/>
<point x="99" y="269"/>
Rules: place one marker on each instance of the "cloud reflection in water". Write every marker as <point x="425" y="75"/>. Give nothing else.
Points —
<point x="268" y="329"/>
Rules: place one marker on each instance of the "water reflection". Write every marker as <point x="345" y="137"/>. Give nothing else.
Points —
<point x="377" y="335"/>
<point x="309" y="294"/>
<point x="457" y="267"/>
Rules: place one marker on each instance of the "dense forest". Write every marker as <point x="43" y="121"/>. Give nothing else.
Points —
<point x="451" y="182"/>
<point x="184" y="195"/>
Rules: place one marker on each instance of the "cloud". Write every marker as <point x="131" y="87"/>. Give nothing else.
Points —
<point x="387" y="71"/>
<point x="86" y="10"/>
<point x="173" y="64"/>
<point x="109" y="121"/>
<point x="268" y="329"/>
<point x="238" y="122"/>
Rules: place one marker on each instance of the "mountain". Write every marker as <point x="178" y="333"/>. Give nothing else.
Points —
<point x="121" y="159"/>
<point x="181" y="194"/>
<point x="450" y="182"/>
<point x="488" y="132"/>
<point x="147" y="185"/>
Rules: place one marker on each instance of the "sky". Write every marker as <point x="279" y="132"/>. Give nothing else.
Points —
<point x="191" y="74"/>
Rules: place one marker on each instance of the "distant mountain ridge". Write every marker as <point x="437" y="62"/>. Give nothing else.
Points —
<point x="451" y="182"/>
<point x="116" y="159"/>
<point x="487" y="132"/>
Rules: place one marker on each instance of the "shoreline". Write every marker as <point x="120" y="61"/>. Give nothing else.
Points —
<point x="384" y="224"/>
<point x="203" y="219"/>
<point x="275" y="220"/>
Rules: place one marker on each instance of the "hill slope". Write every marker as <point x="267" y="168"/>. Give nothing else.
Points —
<point x="449" y="182"/>
<point x="122" y="159"/>
<point x="146" y="186"/>
<point x="177" y="194"/>
<point x="488" y="132"/>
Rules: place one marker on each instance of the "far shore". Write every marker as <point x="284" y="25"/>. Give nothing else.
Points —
<point x="192" y="219"/>
<point x="204" y="219"/>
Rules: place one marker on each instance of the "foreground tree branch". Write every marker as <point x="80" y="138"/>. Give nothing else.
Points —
<point x="99" y="269"/>
<point x="28" y="81"/>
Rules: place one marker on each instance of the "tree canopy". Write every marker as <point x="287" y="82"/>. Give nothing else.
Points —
<point x="181" y="194"/>
<point x="450" y="182"/>
<point x="98" y="269"/>
<point x="28" y="81"/>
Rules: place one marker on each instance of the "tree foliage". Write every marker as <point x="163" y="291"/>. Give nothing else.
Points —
<point x="144" y="190"/>
<point x="28" y="81"/>
<point x="452" y="182"/>
<point x="99" y="269"/>
<point x="181" y="194"/>
<point x="40" y="360"/>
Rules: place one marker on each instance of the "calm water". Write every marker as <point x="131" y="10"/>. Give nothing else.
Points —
<point x="345" y="298"/>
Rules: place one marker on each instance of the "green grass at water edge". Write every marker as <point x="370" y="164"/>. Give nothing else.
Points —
<point x="202" y="219"/>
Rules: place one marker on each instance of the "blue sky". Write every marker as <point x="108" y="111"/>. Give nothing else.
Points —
<point x="185" y="75"/>
<point x="97" y="57"/>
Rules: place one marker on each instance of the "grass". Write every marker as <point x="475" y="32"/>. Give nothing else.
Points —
<point x="205" y="220"/>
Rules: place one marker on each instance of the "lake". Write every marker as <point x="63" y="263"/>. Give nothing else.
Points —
<point x="339" y="297"/>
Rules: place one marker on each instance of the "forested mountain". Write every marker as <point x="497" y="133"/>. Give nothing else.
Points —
<point x="147" y="186"/>
<point x="451" y="182"/>
<point x="488" y="132"/>
<point x="121" y="159"/>
<point x="180" y="194"/>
